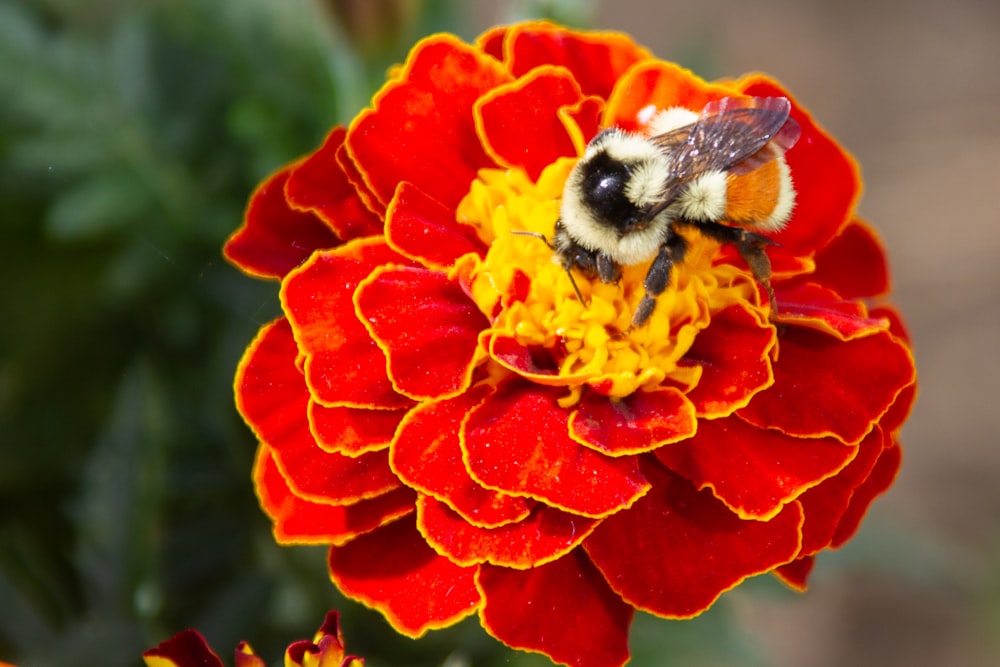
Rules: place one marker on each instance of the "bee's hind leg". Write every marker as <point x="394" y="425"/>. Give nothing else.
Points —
<point x="751" y="246"/>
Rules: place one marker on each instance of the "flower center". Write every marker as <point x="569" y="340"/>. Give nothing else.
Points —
<point x="531" y="298"/>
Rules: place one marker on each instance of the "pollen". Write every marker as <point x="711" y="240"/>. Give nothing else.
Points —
<point x="530" y="297"/>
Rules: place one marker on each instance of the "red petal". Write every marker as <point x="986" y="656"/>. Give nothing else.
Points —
<point x="519" y="121"/>
<point x="637" y="423"/>
<point x="853" y="264"/>
<point x="653" y="86"/>
<point x="394" y="571"/>
<point x="517" y="441"/>
<point x="563" y="609"/>
<point x="545" y="535"/>
<point x="597" y="60"/>
<point x="319" y="184"/>
<point x="796" y="573"/>
<point x="893" y="420"/>
<point x="274" y="238"/>
<point x="880" y="479"/>
<point x="825" y="504"/>
<point x="243" y="657"/>
<point x="271" y="395"/>
<point x="427" y="327"/>
<point x="344" y="366"/>
<point x="427" y="456"/>
<point x="300" y="521"/>
<point x="896" y="325"/>
<point x="827" y="180"/>
<point x="734" y="355"/>
<point x="317" y="475"/>
<point x="357" y="179"/>
<point x="582" y="121"/>
<point x="822" y="309"/>
<point x="352" y="431"/>
<point x="425" y="230"/>
<point x="421" y="129"/>
<point x="677" y="550"/>
<point x="491" y="41"/>
<point x="824" y="386"/>
<point x="754" y="471"/>
<point x="185" y="649"/>
<point x="534" y="363"/>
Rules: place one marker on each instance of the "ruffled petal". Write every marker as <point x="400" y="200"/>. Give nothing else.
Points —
<point x="807" y="304"/>
<point x="532" y="362"/>
<point x="796" y="574"/>
<point x="527" y="610"/>
<point x="877" y="482"/>
<point x="393" y="571"/>
<point x="653" y="86"/>
<point x="635" y="424"/>
<point x="543" y="536"/>
<point x="421" y="128"/>
<point x="597" y="60"/>
<point x="301" y="521"/>
<point x="519" y="121"/>
<point x="275" y="238"/>
<point x="325" y="650"/>
<point x="427" y="327"/>
<point x="426" y="454"/>
<point x="678" y="549"/>
<point x="185" y="649"/>
<point x="827" y="387"/>
<point x="272" y="396"/>
<point x="357" y="179"/>
<point x="344" y="366"/>
<point x="853" y="264"/>
<point x="425" y="230"/>
<point x="352" y="431"/>
<point x="734" y="357"/>
<point x="319" y="185"/>
<point x="516" y="441"/>
<point x="826" y="503"/>
<point x="754" y="471"/>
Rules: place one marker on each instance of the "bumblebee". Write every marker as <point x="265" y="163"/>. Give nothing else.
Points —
<point x="721" y="171"/>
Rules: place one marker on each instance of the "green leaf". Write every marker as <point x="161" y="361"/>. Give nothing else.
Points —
<point x="97" y="206"/>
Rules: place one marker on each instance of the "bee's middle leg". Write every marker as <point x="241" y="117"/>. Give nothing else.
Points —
<point x="658" y="276"/>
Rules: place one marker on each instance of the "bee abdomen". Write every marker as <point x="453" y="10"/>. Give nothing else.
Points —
<point x="762" y="199"/>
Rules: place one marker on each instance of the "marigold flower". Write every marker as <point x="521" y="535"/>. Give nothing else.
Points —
<point x="189" y="649"/>
<point x="438" y="405"/>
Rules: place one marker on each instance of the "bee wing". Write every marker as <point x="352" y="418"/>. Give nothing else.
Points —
<point x="732" y="134"/>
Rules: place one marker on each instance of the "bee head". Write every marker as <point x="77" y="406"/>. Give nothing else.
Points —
<point x="617" y="180"/>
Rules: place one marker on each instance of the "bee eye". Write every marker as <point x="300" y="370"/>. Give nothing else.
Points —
<point x="604" y="190"/>
<point x="605" y="180"/>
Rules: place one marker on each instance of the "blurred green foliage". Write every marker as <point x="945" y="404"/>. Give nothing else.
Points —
<point x="131" y="134"/>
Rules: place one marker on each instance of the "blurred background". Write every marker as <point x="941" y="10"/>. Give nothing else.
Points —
<point x="131" y="134"/>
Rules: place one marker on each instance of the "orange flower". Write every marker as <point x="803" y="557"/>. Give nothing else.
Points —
<point x="189" y="649"/>
<point x="439" y="406"/>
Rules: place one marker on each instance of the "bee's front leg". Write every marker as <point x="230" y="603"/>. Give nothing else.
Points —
<point x="607" y="269"/>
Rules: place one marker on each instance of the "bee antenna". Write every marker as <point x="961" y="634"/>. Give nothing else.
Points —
<point x="545" y="239"/>
<point x="537" y="235"/>
<point x="572" y="281"/>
